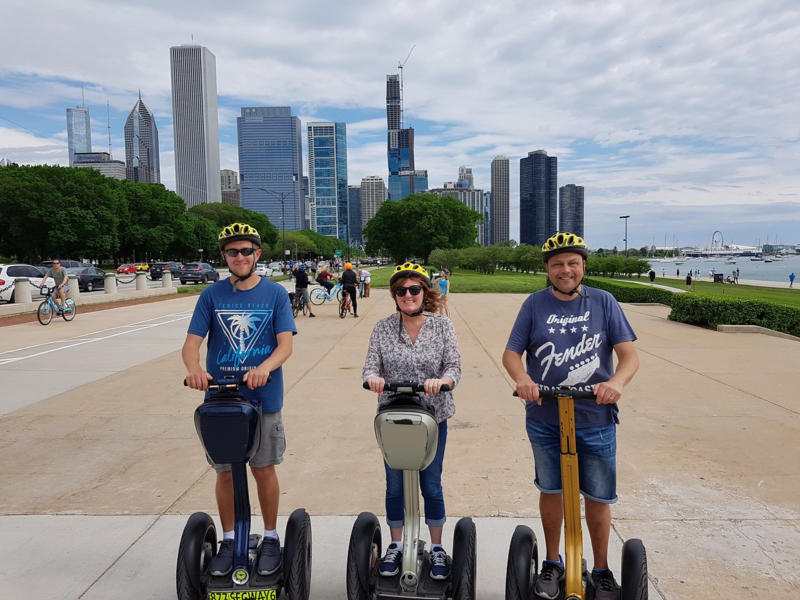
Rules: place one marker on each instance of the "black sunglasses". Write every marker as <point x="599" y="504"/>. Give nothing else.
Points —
<point x="234" y="252"/>
<point x="414" y="290"/>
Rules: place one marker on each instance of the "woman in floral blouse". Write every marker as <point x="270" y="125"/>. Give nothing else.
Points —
<point x="416" y="344"/>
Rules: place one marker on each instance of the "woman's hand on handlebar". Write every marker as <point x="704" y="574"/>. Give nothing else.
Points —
<point x="432" y="385"/>
<point x="376" y="384"/>
<point x="528" y="390"/>
<point x="198" y="380"/>
<point x="608" y="392"/>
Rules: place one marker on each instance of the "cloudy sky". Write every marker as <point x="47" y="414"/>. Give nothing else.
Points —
<point x="684" y="115"/>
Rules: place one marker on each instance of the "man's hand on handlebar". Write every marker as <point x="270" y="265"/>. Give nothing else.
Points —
<point x="256" y="378"/>
<point x="608" y="392"/>
<point x="528" y="390"/>
<point x="376" y="384"/>
<point x="198" y="380"/>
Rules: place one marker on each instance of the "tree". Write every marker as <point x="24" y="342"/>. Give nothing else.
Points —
<point x="414" y="226"/>
<point x="298" y="244"/>
<point x="221" y="214"/>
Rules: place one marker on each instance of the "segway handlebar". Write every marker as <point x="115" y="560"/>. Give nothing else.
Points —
<point x="406" y="387"/>
<point x="551" y="392"/>
<point x="226" y="383"/>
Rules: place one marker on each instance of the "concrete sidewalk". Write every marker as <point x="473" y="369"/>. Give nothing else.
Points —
<point x="97" y="482"/>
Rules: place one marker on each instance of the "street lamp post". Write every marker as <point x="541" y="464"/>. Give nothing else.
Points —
<point x="626" y="217"/>
<point x="282" y="196"/>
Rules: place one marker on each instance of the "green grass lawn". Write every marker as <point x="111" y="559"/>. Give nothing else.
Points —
<point x="783" y="296"/>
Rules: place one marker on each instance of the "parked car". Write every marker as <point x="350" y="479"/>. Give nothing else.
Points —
<point x="127" y="268"/>
<point x="142" y="267"/>
<point x="157" y="269"/>
<point x="89" y="278"/>
<point x="198" y="271"/>
<point x="9" y="273"/>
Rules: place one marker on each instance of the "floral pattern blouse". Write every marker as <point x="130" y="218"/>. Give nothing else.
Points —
<point x="434" y="355"/>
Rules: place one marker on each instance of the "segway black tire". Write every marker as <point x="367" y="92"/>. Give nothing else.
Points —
<point x="362" y="556"/>
<point x="297" y="556"/>
<point x="634" y="571"/>
<point x="523" y="564"/>
<point x="198" y="545"/>
<point x="465" y="561"/>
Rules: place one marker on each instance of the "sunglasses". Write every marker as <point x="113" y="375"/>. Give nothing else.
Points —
<point x="414" y="290"/>
<point x="234" y="252"/>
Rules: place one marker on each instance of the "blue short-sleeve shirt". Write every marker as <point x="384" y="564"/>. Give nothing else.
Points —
<point x="570" y="342"/>
<point x="242" y="329"/>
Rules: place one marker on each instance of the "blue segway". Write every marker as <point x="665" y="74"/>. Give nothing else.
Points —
<point x="229" y="427"/>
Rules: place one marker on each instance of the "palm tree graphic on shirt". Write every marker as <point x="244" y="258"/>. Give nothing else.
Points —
<point x="242" y="329"/>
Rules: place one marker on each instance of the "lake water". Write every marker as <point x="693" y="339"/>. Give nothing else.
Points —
<point x="748" y="269"/>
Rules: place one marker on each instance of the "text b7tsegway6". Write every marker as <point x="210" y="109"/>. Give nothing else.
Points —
<point x="408" y="436"/>
<point x="523" y="559"/>
<point x="229" y="427"/>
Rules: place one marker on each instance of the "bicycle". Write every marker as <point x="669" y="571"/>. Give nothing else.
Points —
<point x="344" y="305"/>
<point x="48" y="307"/>
<point x="319" y="296"/>
<point x="298" y="304"/>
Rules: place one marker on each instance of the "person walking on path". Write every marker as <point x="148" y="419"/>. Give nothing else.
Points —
<point x="249" y="324"/>
<point x="444" y="290"/>
<point x="689" y="281"/>
<point x="791" y="279"/>
<point x="569" y="333"/>
<point x="416" y="344"/>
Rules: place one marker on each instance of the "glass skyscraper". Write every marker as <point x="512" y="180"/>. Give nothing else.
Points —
<point x="500" y="199"/>
<point x="141" y="146"/>
<point x="195" y="124"/>
<point x="271" y="164"/>
<point x="538" y="175"/>
<point x="404" y="180"/>
<point x="570" y="209"/>
<point x="79" y="132"/>
<point x="354" y="214"/>
<point x="327" y="171"/>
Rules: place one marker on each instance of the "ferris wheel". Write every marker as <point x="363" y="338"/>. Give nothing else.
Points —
<point x="717" y="241"/>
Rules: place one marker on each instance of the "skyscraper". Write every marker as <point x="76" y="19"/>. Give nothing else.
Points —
<point x="195" y="124"/>
<point x="141" y="145"/>
<point x="538" y="174"/>
<point x="231" y="193"/>
<point x="79" y="132"/>
<point x="327" y="172"/>
<point x="499" y="204"/>
<point x="271" y="164"/>
<point x="570" y="208"/>
<point x="354" y="214"/>
<point x="465" y="179"/>
<point x="403" y="178"/>
<point x="373" y="194"/>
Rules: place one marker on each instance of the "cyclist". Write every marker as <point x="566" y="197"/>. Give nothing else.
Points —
<point x="249" y="325"/>
<point x="569" y="332"/>
<point x="324" y="279"/>
<point x="349" y="281"/>
<point x="415" y="343"/>
<point x="301" y="286"/>
<point x="61" y="278"/>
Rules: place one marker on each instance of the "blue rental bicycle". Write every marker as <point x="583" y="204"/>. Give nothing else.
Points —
<point x="48" y="308"/>
<point x="319" y="296"/>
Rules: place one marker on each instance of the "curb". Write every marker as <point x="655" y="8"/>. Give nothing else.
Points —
<point x="7" y="310"/>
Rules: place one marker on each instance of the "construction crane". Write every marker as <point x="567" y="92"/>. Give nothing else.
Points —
<point x="400" y="66"/>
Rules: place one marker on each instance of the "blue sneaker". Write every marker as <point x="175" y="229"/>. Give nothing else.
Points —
<point x="390" y="565"/>
<point x="439" y="567"/>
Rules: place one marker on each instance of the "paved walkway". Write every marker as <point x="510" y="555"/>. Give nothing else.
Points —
<point x="98" y="479"/>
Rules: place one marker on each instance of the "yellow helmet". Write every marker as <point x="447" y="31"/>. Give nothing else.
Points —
<point x="238" y="231"/>
<point x="409" y="269"/>
<point x="564" y="242"/>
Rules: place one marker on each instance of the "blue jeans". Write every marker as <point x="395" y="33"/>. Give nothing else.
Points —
<point x="597" y="459"/>
<point x="430" y="482"/>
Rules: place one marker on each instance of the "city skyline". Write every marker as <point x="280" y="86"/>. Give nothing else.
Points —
<point x="683" y="119"/>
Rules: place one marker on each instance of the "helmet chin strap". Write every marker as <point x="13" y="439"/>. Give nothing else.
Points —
<point x="236" y="279"/>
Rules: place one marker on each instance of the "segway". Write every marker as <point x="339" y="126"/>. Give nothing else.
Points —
<point x="523" y="556"/>
<point x="229" y="427"/>
<point x="408" y="436"/>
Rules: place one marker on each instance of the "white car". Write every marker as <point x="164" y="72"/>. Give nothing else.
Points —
<point x="262" y="270"/>
<point x="9" y="273"/>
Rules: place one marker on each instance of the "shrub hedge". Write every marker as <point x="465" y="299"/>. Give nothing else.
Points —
<point x="705" y="311"/>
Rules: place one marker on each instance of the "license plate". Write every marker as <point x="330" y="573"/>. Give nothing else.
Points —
<point x="244" y="595"/>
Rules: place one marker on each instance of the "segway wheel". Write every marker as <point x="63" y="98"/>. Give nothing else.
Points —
<point x="523" y="564"/>
<point x="464" y="559"/>
<point x="362" y="556"/>
<point x="198" y="544"/>
<point x="634" y="571"/>
<point x="297" y="556"/>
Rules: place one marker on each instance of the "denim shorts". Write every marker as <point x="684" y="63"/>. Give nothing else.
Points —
<point x="271" y="447"/>
<point x="597" y="459"/>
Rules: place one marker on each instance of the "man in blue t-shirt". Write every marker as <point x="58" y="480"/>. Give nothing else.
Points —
<point x="569" y="333"/>
<point x="250" y="326"/>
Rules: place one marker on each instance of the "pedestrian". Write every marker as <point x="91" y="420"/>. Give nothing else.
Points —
<point x="570" y="333"/>
<point x="652" y="275"/>
<point x="791" y="279"/>
<point x="366" y="277"/>
<point x="689" y="281"/>
<point x="678" y="272"/>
